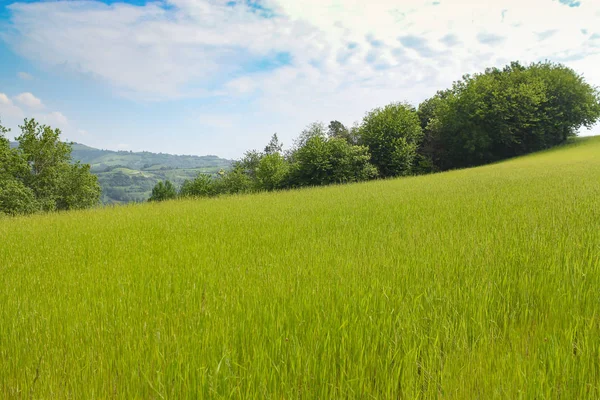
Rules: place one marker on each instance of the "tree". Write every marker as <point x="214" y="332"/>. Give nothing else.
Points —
<point x="322" y="161"/>
<point x="47" y="157"/>
<point x="428" y="146"/>
<point x="16" y="198"/>
<point x="249" y="163"/>
<point x="39" y="175"/>
<point x="274" y="145"/>
<point x="507" y="112"/>
<point x="272" y="172"/>
<point x="316" y="129"/>
<point x="233" y="182"/>
<point x="163" y="191"/>
<point x="79" y="188"/>
<point x="202" y="186"/>
<point x="392" y="135"/>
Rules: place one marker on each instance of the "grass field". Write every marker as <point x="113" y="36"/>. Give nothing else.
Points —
<point x="480" y="283"/>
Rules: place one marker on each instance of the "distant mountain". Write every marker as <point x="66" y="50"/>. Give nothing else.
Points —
<point x="130" y="176"/>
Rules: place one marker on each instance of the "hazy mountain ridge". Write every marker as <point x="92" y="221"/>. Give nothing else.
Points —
<point x="130" y="176"/>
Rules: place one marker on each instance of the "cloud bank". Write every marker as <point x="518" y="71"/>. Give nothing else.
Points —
<point x="299" y="61"/>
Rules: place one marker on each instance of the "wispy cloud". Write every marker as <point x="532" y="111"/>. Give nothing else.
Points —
<point x="293" y="61"/>
<point x="490" y="39"/>
<point x="25" y="76"/>
<point x="8" y="109"/>
<point x="29" y="100"/>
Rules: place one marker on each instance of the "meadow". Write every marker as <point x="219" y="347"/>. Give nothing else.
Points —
<point x="478" y="283"/>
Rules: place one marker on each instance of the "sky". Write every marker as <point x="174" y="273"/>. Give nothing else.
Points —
<point x="221" y="76"/>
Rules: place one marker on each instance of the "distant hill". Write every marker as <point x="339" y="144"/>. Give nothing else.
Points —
<point x="130" y="176"/>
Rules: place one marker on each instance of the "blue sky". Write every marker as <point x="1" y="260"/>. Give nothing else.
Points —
<point x="220" y="76"/>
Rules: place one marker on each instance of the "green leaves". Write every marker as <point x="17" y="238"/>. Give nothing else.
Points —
<point x="392" y="135"/>
<point x="505" y="113"/>
<point x="39" y="175"/>
<point x="323" y="161"/>
<point x="163" y="191"/>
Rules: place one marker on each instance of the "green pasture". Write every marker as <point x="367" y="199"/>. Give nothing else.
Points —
<point x="479" y="283"/>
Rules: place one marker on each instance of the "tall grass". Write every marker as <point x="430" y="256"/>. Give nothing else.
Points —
<point x="480" y="283"/>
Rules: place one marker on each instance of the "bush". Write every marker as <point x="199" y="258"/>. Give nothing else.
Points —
<point x="323" y="161"/>
<point x="163" y="191"/>
<point x="202" y="186"/>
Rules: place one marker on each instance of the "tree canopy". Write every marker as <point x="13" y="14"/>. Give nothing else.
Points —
<point x="503" y="113"/>
<point x="39" y="174"/>
<point x="392" y="135"/>
<point x="482" y="118"/>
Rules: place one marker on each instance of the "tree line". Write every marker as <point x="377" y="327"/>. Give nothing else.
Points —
<point x="482" y="118"/>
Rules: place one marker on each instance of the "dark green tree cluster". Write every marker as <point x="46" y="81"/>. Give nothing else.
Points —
<point x="504" y="113"/>
<point x="483" y="118"/>
<point x="39" y="174"/>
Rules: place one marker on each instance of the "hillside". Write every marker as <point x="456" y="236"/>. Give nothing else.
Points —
<point x="130" y="176"/>
<point x="477" y="283"/>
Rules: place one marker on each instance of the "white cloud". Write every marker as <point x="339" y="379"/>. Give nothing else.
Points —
<point x="13" y="115"/>
<point x="4" y="100"/>
<point x="56" y="119"/>
<point x="8" y="110"/>
<point x="191" y="46"/>
<point x="25" y="76"/>
<point x="346" y="57"/>
<point x="29" y="100"/>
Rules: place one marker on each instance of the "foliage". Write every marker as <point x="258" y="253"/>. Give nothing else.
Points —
<point x="316" y="129"/>
<point x="79" y="188"/>
<point x="274" y="146"/>
<point x="272" y="172"/>
<point x="233" y="182"/>
<point x="202" y="186"/>
<point x="38" y="174"/>
<point x="130" y="176"/>
<point x="473" y="284"/>
<point x="323" y="161"/>
<point x="163" y="191"/>
<point x="392" y="135"/>
<point x="505" y="113"/>
<point x="16" y="198"/>
<point x="248" y="164"/>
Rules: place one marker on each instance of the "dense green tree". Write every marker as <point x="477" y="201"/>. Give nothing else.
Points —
<point x="39" y="174"/>
<point x="322" y="161"/>
<point x="272" y="172"/>
<point x="47" y="157"/>
<point x="248" y="163"/>
<point x="234" y="181"/>
<point x="163" y="191"/>
<point x="16" y="198"/>
<point x="504" y="113"/>
<point x="201" y="186"/>
<point x="79" y="188"/>
<point x="392" y="135"/>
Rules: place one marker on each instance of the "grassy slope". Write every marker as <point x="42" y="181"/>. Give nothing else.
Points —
<point x="474" y="283"/>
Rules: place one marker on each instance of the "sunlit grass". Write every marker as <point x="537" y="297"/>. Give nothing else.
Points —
<point x="480" y="283"/>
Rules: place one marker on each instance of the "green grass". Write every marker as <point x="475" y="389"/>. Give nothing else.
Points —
<point x="480" y="283"/>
